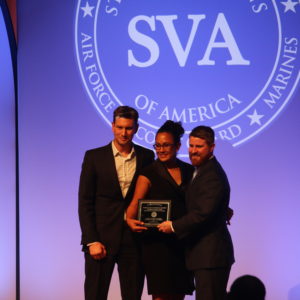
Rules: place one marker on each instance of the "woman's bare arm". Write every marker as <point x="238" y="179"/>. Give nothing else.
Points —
<point x="141" y="189"/>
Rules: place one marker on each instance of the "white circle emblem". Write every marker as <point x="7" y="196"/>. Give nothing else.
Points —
<point x="231" y="65"/>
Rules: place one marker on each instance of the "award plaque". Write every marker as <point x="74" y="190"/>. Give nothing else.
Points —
<point x="154" y="212"/>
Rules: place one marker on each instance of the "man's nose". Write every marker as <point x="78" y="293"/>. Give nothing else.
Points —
<point x="193" y="150"/>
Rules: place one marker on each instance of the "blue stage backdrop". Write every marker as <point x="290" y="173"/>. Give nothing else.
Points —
<point x="232" y="65"/>
<point x="7" y="164"/>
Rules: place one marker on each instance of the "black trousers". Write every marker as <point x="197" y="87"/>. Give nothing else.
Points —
<point x="211" y="283"/>
<point x="98" y="273"/>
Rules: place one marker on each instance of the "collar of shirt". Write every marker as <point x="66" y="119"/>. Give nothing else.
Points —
<point x="116" y="152"/>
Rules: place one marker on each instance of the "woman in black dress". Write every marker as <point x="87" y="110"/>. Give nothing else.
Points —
<point x="163" y="255"/>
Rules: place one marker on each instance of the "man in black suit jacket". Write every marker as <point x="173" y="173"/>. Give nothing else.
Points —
<point x="107" y="183"/>
<point x="209" y="247"/>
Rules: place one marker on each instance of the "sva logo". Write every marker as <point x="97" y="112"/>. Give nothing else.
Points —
<point x="232" y="65"/>
<point x="182" y="53"/>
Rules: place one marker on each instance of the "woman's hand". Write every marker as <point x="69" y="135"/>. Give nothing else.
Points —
<point x="136" y="225"/>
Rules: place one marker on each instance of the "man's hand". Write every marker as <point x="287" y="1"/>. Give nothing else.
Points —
<point x="229" y="215"/>
<point x="165" y="227"/>
<point x="136" y="225"/>
<point x="97" y="250"/>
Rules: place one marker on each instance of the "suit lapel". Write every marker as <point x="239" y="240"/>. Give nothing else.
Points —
<point x="139" y="160"/>
<point x="202" y="169"/>
<point x="111" y="170"/>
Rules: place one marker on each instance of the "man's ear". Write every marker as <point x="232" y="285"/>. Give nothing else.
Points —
<point x="136" y="128"/>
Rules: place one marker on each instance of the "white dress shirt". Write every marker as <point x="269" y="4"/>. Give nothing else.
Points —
<point x="125" y="166"/>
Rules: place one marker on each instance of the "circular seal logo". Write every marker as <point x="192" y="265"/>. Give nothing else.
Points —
<point x="154" y="214"/>
<point x="232" y="65"/>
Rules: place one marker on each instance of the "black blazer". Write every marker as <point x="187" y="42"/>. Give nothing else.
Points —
<point x="101" y="203"/>
<point x="208" y="240"/>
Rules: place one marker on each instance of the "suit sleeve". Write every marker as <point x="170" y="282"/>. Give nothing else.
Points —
<point x="207" y="200"/>
<point x="86" y="197"/>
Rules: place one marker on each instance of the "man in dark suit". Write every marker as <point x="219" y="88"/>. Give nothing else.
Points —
<point x="107" y="183"/>
<point x="209" y="247"/>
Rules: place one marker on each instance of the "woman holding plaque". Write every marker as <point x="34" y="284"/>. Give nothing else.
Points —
<point x="165" y="179"/>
